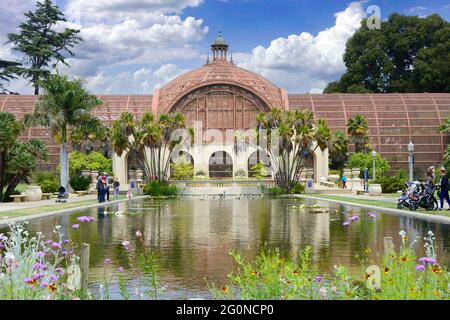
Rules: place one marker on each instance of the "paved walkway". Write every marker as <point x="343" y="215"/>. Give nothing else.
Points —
<point x="9" y="206"/>
<point x="414" y="214"/>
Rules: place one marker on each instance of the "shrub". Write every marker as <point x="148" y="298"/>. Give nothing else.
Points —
<point x="259" y="170"/>
<point x="94" y="161"/>
<point x="275" y="191"/>
<point x="49" y="186"/>
<point x="158" y="189"/>
<point x="41" y="177"/>
<point x="298" y="189"/>
<point x="80" y="183"/>
<point x="182" y="169"/>
<point x="391" y="184"/>
<point x="365" y="160"/>
<point x="201" y="173"/>
<point x="241" y="173"/>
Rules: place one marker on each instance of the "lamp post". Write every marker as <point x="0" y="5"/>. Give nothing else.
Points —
<point x="374" y="157"/>
<point x="411" y="161"/>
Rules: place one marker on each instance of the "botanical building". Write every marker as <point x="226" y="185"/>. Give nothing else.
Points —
<point x="221" y="96"/>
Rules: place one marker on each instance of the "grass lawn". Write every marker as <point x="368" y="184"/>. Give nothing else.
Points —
<point x="53" y="207"/>
<point x="376" y="203"/>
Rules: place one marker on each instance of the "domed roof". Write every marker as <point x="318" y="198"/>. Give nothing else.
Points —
<point x="219" y="71"/>
<point x="220" y="41"/>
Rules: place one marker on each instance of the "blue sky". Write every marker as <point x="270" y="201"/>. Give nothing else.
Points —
<point x="133" y="46"/>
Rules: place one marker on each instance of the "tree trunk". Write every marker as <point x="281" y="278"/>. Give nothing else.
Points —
<point x="64" y="166"/>
<point x="12" y="186"/>
<point x="2" y="172"/>
<point x="36" y="89"/>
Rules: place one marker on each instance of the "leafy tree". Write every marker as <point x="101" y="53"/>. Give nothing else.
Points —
<point x="182" y="169"/>
<point x="408" y="54"/>
<point x="339" y="154"/>
<point x="65" y="104"/>
<point x="137" y="136"/>
<point x="365" y="160"/>
<point x="357" y="129"/>
<point x="290" y="141"/>
<point x="259" y="170"/>
<point x="6" y="73"/>
<point x="10" y="130"/>
<point x="42" y="46"/>
<point x="84" y="136"/>
<point x="94" y="161"/>
<point x="22" y="161"/>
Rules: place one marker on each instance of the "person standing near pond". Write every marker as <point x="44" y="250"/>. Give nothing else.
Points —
<point x="444" y="188"/>
<point x="103" y="190"/>
<point x="116" y="186"/>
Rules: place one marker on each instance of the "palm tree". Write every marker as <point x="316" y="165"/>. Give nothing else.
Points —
<point x="10" y="130"/>
<point x="339" y="151"/>
<point x="87" y="134"/>
<point x="357" y="128"/>
<point x="445" y="127"/>
<point x="137" y="136"/>
<point x="294" y="134"/>
<point x="22" y="161"/>
<point x="65" y="104"/>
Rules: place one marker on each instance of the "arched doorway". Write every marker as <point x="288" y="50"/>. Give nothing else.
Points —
<point x="220" y="165"/>
<point x="255" y="158"/>
<point x="132" y="166"/>
<point x="182" y="166"/>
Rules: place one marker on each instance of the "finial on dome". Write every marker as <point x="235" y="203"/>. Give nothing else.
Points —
<point x="232" y="61"/>
<point x="207" y="59"/>
<point x="219" y="48"/>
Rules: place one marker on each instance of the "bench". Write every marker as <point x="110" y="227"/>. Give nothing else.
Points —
<point x="360" y="192"/>
<point x="19" y="198"/>
<point x="82" y="193"/>
<point x="46" y="196"/>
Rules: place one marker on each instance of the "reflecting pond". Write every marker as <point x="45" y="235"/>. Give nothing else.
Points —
<point x="193" y="237"/>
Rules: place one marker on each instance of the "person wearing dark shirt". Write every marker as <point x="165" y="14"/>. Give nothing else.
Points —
<point x="444" y="188"/>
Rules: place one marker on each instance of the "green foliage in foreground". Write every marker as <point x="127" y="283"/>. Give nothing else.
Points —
<point x="158" y="189"/>
<point x="402" y="277"/>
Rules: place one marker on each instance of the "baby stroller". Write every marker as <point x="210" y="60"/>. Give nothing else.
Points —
<point x="62" y="195"/>
<point x="410" y="195"/>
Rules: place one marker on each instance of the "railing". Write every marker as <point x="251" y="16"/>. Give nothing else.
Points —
<point x="223" y="183"/>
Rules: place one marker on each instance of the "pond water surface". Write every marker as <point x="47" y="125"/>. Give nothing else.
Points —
<point x="193" y="237"/>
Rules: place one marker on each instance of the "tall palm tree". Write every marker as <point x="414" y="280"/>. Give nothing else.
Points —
<point x="339" y="150"/>
<point x="85" y="135"/>
<point x="10" y="130"/>
<point x="65" y="104"/>
<point x="358" y="128"/>
<point x="294" y="134"/>
<point x="136" y="136"/>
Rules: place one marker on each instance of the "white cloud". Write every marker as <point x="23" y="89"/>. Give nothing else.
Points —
<point x="119" y="35"/>
<point x="142" y="81"/>
<point x="417" y="9"/>
<point x="304" y="62"/>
